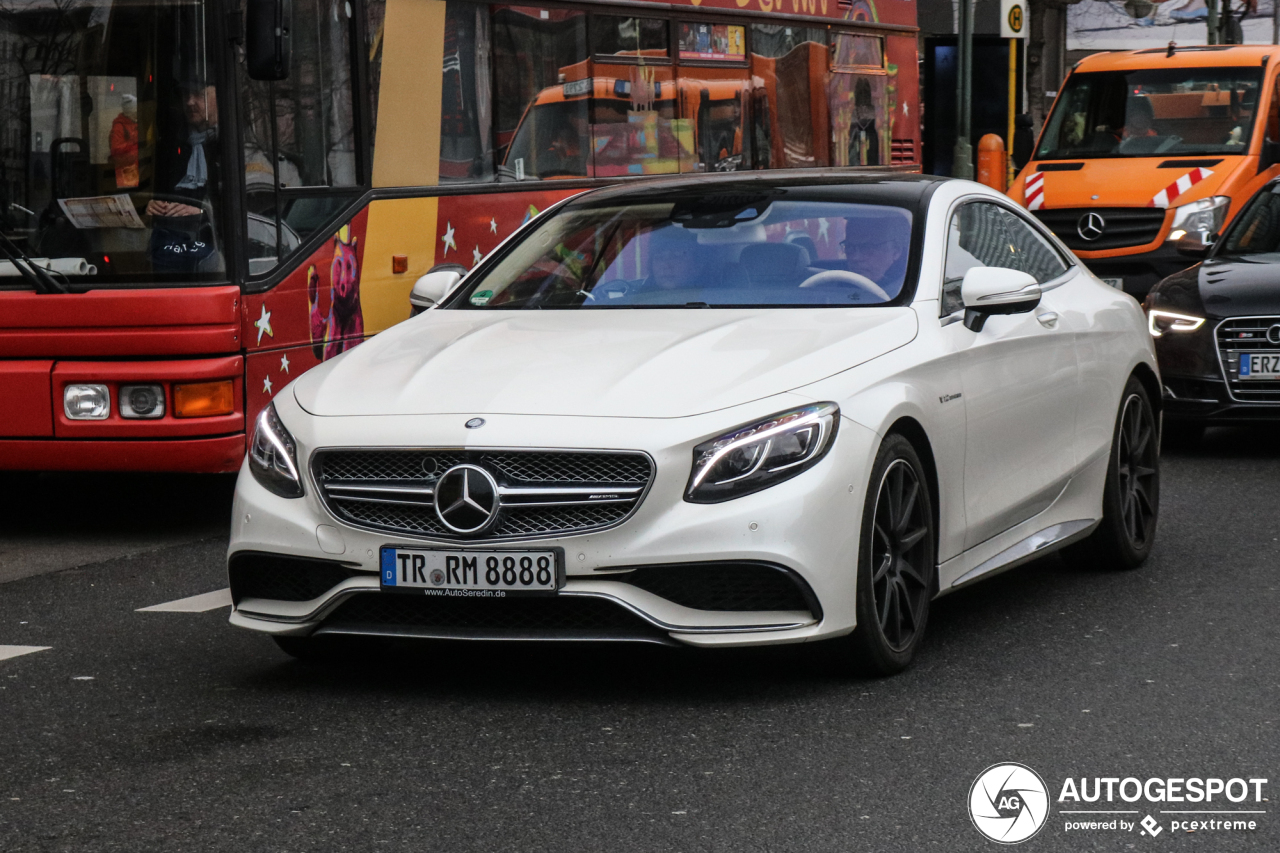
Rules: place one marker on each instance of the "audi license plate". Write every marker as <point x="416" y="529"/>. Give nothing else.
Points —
<point x="472" y="574"/>
<point x="1260" y="365"/>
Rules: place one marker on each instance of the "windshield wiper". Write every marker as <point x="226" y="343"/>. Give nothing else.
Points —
<point x="35" y="275"/>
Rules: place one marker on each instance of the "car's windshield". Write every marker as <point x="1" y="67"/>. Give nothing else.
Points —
<point x="109" y="115"/>
<point x="1257" y="230"/>
<point x="719" y="250"/>
<point x="1153" y="113"/>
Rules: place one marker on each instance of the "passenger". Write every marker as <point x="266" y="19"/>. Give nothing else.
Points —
<point x="877" y="247"/>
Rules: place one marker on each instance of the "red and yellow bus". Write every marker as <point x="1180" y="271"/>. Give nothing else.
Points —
<point x="188" y="222"/>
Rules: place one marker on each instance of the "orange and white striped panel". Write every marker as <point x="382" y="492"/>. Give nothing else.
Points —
<point x="1033" y="191"/>
<point x="1167" y="195"/>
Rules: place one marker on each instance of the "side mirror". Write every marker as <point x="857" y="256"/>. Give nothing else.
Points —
<point x="1270" y="154"/>
<point x="1194" y="244"/>
<point x="995" y="290"/>
<point x="267" y="38"/>
<point x="431" y="288"/>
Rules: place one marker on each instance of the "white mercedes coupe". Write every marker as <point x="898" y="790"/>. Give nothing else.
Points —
<point x="714" y="411"/>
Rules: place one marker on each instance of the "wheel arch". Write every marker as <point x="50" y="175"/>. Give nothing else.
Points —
<point x="1151" y="384"/>
<point x="913" y="431"/>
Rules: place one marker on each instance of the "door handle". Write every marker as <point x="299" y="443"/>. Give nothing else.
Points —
<point x="1049" y="319"/>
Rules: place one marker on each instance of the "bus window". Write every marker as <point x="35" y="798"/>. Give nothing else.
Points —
<point x="630" y="37"/>
<point x="715" y="110"/>
<point x="466" y="135"/>
<point x="299" y="132"/>
<point x="532" y="47"/>
<point x="111" y="124"/>
<point x="857" y="92"/>
<point x="789" y="67"/>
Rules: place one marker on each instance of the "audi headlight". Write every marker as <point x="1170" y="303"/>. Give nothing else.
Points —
<point x="759" y="455"/>
<point x="1159" y="322"/>
<point x="273" y="456"/>
<point x="1205" y="215"/>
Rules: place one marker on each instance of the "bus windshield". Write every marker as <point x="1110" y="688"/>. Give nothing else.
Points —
<point x="718" y="252"/>
<point x="109" y="115"/>
<point x="1153" y="113"/>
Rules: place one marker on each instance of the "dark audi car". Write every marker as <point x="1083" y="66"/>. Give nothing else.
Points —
<point x="1217" y="326"/>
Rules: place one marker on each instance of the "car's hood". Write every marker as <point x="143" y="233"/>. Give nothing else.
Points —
<point x="1134" y="181"/>
<point x="641" y="363"/>
<point x="1232" y="287"/>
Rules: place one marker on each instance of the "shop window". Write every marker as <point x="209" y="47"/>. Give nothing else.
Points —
<point x="852" y="51"/>
<point x="629" y="37"/>
<point x="789" y="67"/>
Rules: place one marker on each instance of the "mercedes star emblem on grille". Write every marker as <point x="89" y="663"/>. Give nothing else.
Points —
<point x="1090" y="226"/>
<point x="466" y="498"/>
<point x="1273" y="334"/>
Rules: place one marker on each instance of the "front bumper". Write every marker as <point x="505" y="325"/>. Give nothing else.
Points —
<point x="1206" y="400"/>
<point x="807" y="525"/>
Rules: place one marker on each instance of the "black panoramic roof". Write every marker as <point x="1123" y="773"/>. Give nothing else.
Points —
<point x="902" y="188"/>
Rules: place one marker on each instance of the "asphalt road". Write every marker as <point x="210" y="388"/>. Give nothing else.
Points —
<point x="171" y="731"/>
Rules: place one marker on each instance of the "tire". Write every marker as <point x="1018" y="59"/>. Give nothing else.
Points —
<point x="1131" y="495"/>
<point x="896" y="565"/>
<point x="1181" y="435"/>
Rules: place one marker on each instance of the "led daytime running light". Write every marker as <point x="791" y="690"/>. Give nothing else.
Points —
<point x="814" y="417"/>
<point x="1177" y="322"/>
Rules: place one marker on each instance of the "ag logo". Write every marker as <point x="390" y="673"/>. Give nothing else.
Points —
<point x="437" y="577"/>
<point x="1008" y="803"/>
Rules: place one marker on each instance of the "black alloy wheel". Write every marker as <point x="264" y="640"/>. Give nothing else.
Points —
<point x="1126" y="533"/>
<point x="895" y="562"/>
<point x="898" y="573"/>
<point x="1137" y="467"/>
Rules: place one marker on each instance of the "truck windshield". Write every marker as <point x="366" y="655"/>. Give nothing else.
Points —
<point x="109" y="114"/>
<point x="1153" y="113"/>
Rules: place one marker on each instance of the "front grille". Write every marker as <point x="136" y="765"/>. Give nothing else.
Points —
<point x="725" y="586"/>
<point x="1247" y="334"/>
<point x="558" y="617"/>
<point x="543" y="493"/>
<point x="1125" y="226"/>
<point x="283" y="578"/>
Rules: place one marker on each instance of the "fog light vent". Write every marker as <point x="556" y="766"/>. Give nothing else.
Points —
<point x="141" y="401"/>
<point x="86" y="402"/>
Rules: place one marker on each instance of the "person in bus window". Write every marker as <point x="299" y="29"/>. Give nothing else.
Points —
<point x="876" y="247"/>
<point x="124" y="143"/>
<point x="182" y="239"/>
<point x="864" y="141"/>
<point x="564" y="155"/>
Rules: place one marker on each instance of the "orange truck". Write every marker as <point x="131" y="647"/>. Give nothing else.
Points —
<point x="1146" y="147"/>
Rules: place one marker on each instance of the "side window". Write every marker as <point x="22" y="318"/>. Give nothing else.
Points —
<point x="1030" y="252"/>
<point x="977" y="236"/>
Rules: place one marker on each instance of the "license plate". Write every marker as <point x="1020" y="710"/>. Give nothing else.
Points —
<point x="1117" y="283"/>
<point x="1260" y="365"/>
<point x="472" y="574"/>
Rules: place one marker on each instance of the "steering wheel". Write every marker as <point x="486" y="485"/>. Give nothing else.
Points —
<point x="848" y="279"/>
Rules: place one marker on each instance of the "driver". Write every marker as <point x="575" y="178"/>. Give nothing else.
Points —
<point x="876" y="247"/>
<point x="673" y="261"/>
<point x="182" y="238"/>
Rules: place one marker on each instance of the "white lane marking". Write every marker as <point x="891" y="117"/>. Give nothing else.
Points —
<point x="194" y="604"/>
<point x="7" y="652"/>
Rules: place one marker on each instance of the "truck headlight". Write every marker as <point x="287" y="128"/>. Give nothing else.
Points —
<point x="1205" y="215"/>
<point x="759" y="455"/>
<point x="273" y="456"/>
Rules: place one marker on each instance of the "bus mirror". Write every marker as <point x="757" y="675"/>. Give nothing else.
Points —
<point x="1270" y="154"/>
<point x="267" y="37"/>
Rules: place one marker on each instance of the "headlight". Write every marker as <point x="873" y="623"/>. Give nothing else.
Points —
<point x="273" y="456"/>
<point x="1205" y="215"/>
<point x="1159" y="322"/>
<point x="757" y="456"/>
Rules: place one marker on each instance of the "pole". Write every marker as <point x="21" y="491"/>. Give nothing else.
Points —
<point x="962" y="160"/>
<point x="1211" y="22"/>
<point x="1013" y="108"/>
